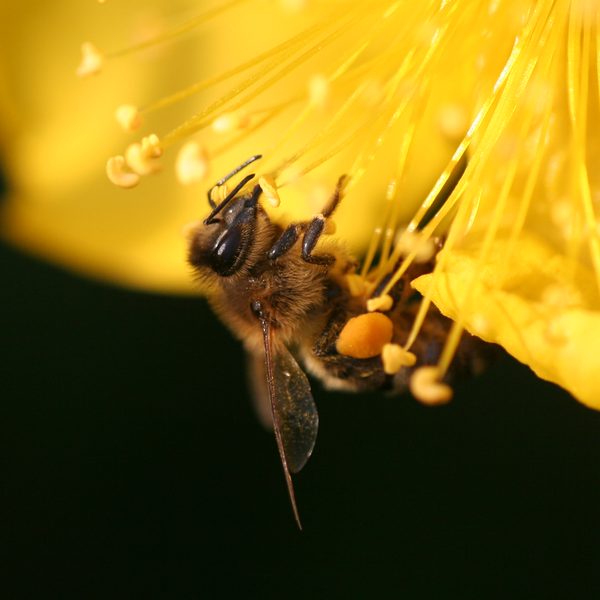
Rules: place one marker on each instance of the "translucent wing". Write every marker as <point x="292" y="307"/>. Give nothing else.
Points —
<point x="257" y="384"/>
<point x="295" y="417"/>
<point x="295" y="410"/>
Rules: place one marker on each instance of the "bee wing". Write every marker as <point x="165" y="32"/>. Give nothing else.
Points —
<point x="295" y="410"/>
<point x="257" y="383"/>
<point x="295" y="417"/>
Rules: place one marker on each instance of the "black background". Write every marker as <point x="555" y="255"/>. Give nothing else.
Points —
<point x="134" y="468"/>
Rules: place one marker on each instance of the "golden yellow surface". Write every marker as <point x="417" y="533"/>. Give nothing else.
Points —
<point x="393" y="94"/>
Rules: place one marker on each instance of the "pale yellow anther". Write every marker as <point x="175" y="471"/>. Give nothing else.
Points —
<point x="269" y="187"/>
<point x="142" y="157"/>
<point x="119" y="174"/>
<point x="381" y="303"/>
<point x="408" y="242"/>
<point x="427" y="387"/>
<point x="318" y="90"/>
<point x="128" y="117"/>
<point x="453" y="121"/>
<point x="91" y="60"/>
<point x="228" y="122"/>
<point x="395" y="357"/>
<point x="219" y="194"/>
<point x="138" y="162"/>
<point x="356" y="285"/>
<point x="189" y="229"/>
<point x="191" y="164"/>
<point x="151" y="146"/>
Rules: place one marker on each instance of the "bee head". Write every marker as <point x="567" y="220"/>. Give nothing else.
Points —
<point x="221" y="245"/>
<point x="223" y="241"/>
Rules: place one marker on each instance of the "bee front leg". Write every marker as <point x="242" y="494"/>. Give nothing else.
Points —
<point x="315" y="228"/>
<point x="285" y="242"/>
<point x="309" y="241"/>
<point x="312" y="232"/>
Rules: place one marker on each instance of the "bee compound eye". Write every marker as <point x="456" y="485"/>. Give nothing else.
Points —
<point x="226" y="253"/>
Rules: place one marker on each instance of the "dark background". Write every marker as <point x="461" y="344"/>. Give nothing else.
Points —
<point x="133" y="467"/>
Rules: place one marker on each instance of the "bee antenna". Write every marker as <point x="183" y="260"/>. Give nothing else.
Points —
<point x="227" y="177"/>
<point x="247" y="162"/>
<point x="217" y="209"/>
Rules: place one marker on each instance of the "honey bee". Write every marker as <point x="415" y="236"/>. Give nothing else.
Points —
<point x="287" y="298"/>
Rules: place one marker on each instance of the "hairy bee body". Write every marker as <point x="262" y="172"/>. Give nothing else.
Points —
<point x="294" y="293"/>
<point x="285" y="302"/>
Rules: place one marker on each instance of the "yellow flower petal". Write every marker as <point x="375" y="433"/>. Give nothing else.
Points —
<point x="546" y="314"/>
<point x="385" y="92"/>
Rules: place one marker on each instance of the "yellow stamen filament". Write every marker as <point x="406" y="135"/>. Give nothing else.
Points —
<point x="228" y="122"/>
<point x="412" y="242"/>
<point x="390" y="196"/>
<point x="177" y="31"/>
<point x="91" y="60"/>
<point x="119" y="174"/>
<point x="318" y="91"/>
<point x="426" y="386"/>
<point x="501" y="90"/>
<point x="281" y="50"/>
<point x="191" y="164"/>
<point x="578" y="66"/>
<point x="264" y="78"/>
<point x="356" y="285"/>
<point x="394" y="358"/>
<point x="506" y="106"/>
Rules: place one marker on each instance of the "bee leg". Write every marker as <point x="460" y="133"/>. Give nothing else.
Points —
<point x="286" y="240"/>
<point x="336" y="197"/>
<point x="309" y="241"/>
<point x="312" y="232"/>
<point x="315" y="228"/>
